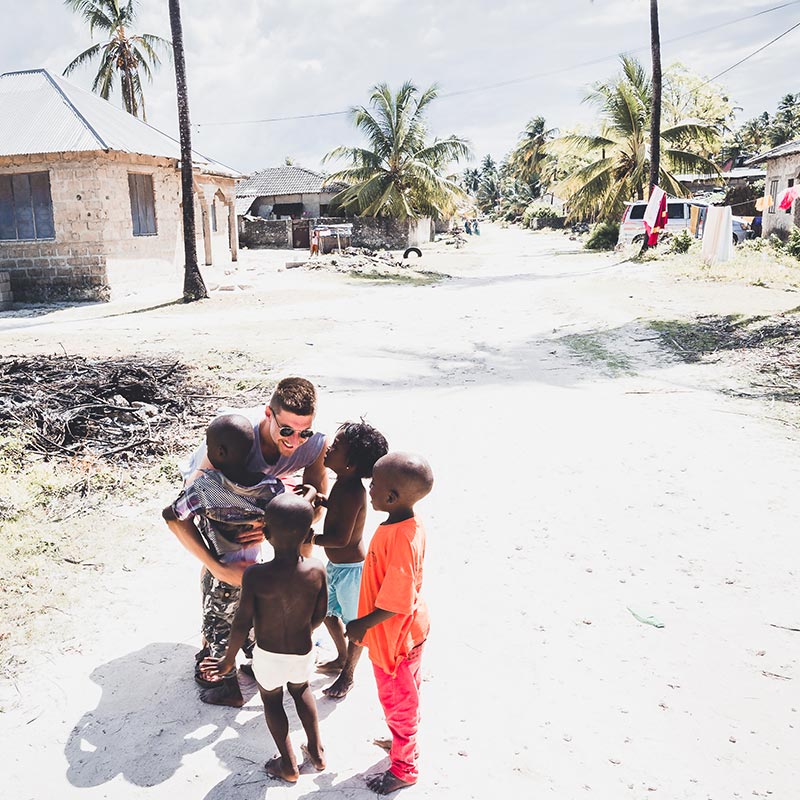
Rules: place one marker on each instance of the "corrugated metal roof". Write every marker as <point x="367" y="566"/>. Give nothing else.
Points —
<point x="284" y="180"/>
<point x="786" y="149"/>
<point x="42" y="113"/>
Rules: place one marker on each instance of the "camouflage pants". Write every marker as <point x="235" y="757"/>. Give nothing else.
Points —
<point x="220" y="601"/>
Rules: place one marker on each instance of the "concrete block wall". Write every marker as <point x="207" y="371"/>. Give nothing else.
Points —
<point x="265" y="233"/>
<point x="6" y="295"/>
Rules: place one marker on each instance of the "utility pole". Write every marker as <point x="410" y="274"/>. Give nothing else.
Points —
<point x="655" y="105"/>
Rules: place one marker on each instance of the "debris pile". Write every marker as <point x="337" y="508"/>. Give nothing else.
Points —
<point x="768" y="346"/>
<point x="376" y="264"/>
<point x="68" y="406"/>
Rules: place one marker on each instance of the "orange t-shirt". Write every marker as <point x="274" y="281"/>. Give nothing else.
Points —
<point x="391" y="580"/>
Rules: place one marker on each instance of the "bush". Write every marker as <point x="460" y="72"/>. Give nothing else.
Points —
<point x="604" y="236"/>
<point x="681" y="242"/>
<point x="792" y="246"/>
<point x="540" y="211"/>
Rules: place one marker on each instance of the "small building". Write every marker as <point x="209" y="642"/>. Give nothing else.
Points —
<point x="287" y="192"/>
<point x="90" y="196"/>
<point x="783" y="171"/>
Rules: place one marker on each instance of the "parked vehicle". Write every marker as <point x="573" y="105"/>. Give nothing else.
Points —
<point x="631" y="229"/>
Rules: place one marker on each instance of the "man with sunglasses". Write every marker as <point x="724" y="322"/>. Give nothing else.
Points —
<point x="284" y="443"/>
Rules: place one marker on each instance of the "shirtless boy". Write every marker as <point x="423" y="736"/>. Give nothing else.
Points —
<point x="284" y="600"/>
<point x="392" y="617"/>
<point x="355" y="449"/>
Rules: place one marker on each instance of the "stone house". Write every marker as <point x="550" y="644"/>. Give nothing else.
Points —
<point x="285" y="193"/>
<point x="783" y="171"/>
<point x="90" y="196"/>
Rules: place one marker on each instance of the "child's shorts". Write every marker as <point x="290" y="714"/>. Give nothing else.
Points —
<point x="273" y="670"/>
<point x="344" y="584"/>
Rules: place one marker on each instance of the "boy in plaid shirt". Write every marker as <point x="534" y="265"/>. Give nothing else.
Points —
<point x="222" y="502"/>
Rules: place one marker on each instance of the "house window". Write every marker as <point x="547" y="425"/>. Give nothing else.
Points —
<point x="213" y="216"/>
<point x="143" y="207"/>
<point x="790" y="183"/>
<point x="773" y="193"/>
<point x="26" y="208"/>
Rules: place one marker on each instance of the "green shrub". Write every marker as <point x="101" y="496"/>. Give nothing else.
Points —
<point x="604" y="236"/>
<point x="792" y="246"/>
<point x="681" y="242"/>
<point x="775" y="242"/>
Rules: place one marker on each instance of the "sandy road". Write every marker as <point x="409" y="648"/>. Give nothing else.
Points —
<point x="574" y="482"/>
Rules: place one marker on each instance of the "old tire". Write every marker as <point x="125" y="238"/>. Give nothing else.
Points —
<point x="410" y="250"/>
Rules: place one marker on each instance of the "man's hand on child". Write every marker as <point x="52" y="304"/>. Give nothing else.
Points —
<point x="253" y="534"/>
<point x="356" y="630"/>
<point x="211" y="668"/>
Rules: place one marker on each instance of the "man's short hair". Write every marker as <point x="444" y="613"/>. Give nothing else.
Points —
<point x="295" y="395"/>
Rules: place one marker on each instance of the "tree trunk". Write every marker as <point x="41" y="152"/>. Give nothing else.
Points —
<point x="655" y="106"/>
<point x="193" y="286"/>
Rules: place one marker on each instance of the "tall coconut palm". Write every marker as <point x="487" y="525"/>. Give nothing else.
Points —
<point x="124" y="56"/>
<point x="620" y="170"/>
<point x="194" y="287"/>
<point x="399" y="173"/>
<point x="528" y="159"/>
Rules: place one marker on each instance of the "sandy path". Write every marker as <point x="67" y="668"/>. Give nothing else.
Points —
<point x="567" y="492"/>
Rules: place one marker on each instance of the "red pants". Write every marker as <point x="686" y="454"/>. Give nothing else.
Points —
<point x="399" y="696"/>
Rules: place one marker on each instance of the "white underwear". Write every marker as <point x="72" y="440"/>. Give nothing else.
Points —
<point x="277" y="669"/>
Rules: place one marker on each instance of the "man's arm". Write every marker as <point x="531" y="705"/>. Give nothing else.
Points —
<point x="317" y="476"/>
<point x="357" y="628"/>
<point x="187" y="534"/>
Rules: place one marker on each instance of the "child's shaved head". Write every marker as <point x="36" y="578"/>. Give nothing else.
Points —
<point x="288" y="519"/>
<point x="408" y="474"/>
<point x="229" y="439"/>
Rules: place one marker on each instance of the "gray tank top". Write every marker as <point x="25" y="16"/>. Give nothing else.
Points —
<point x="302" y="457"/>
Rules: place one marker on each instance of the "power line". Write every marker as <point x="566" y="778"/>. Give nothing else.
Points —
<point x="549" y="73"/>
<point x="755" y="52"/>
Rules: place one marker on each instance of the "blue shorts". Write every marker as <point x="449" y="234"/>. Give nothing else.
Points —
<point x="344" y="584"/>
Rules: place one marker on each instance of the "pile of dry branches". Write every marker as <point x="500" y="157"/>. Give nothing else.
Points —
<point x="67" y="406"/>
<point x="770" y="346"/>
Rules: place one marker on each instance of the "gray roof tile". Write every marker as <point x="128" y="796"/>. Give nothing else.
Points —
<point x="42" y="113"/>
<point x="283" y="180"/>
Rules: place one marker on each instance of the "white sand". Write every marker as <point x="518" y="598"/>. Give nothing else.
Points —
<point x="567" y="491"/>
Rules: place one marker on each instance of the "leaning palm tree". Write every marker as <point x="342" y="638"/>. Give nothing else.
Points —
<point x="620" y="170"/>
<point x="399" y="173"/>
<point x="124" y="56"/>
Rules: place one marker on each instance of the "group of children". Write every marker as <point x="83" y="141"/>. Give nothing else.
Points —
<point x="269" y="610"/>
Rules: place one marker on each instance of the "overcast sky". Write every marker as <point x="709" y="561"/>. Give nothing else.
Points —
<point x="257" y="59"/>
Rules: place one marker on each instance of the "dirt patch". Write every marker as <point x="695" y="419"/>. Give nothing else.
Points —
<point x="767" y="348"/>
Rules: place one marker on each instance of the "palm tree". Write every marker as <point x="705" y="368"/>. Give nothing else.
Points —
<point x="620" y="170"/>
<point x="194" y="287"/>
<point x="399" y="174"/>
<point x="528" y="159"/>
<point x="124" y="55"/>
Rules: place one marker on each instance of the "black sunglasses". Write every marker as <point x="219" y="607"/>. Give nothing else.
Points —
<point x="286" y="431"/>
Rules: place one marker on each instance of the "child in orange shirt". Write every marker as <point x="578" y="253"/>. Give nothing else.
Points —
<point x="392" y="618"/>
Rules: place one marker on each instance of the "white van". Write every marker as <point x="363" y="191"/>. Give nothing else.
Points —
<point x="631" y="229"/>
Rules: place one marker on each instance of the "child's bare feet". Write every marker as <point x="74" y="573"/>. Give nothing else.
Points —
<point x="331" y="667"/>
<point x="227" y="693"/>
<point x="275" y="768"/>
<point x="386" y="783"/>
<point x="317" y="759"/>
<point x="340" y="687"/>
<point x="384" y="744"/>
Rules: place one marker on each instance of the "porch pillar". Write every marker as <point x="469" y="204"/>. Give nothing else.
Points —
<point x="209" y="258"/>
<point x="233" y="231"/>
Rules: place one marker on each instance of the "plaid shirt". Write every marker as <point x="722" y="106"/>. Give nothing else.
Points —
<point x="222" y="508"/>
